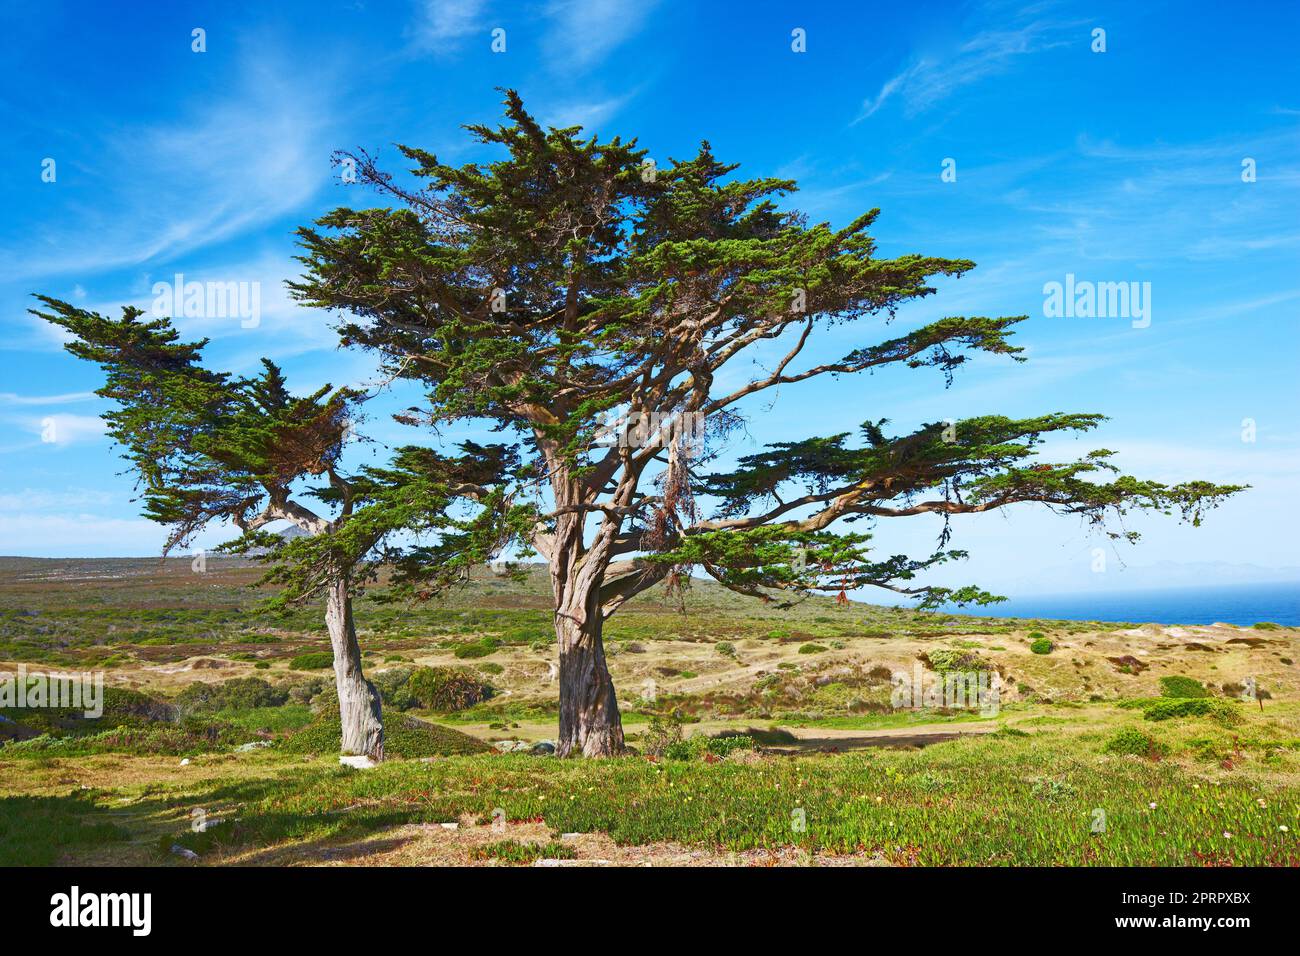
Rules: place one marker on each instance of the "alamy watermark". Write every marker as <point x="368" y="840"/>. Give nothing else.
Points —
<point x="949" y="690"/>
<point x="75" y="908"/>
<point x="209" y="300"/>
<point x="646" y="429"/>
<point x="84" y="692"/>
<point x="1084" y="299"/>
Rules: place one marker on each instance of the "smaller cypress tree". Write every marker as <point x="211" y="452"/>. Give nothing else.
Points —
<point x="210" y="448"/>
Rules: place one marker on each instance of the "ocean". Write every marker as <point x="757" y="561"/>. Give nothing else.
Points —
<point x="1238" y="604"/>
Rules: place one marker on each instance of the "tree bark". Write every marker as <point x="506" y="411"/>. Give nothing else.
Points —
<point x="360" y="708"/>
<point x="589" y="718"/>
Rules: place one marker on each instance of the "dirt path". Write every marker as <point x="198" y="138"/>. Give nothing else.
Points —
<point x="455" y="843"/>
<point x="834" y="739"/>
<point x="809" y="739"/>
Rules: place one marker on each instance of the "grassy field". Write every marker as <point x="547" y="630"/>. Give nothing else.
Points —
<point x="791" y="752"/>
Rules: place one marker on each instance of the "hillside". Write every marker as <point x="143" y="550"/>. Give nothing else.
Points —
<point x="160" y="626"/>
<point x="743" y="714"/>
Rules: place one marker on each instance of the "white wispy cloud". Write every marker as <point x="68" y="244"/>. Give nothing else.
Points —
<point x="589" y="114"/>
<point x="168" y="189"/>
<point x="10" y="398"/>
<point x="441" y="23"/>
<point x="582" y="33"/>
<point x="932" y="77"/>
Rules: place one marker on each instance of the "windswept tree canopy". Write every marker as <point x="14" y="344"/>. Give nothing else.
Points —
<point x="209" y="448"/>
<point x="571" y="290"/>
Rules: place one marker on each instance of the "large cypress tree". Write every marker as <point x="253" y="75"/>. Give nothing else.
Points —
<point x="209" y="448"/>
<point x="571" y="293"/>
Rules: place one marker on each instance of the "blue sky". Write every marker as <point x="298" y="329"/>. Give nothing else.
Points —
<point x="1117" y="166"/>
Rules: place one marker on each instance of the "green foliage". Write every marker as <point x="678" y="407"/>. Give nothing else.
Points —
<point x="724" y="745"/>
<point x="522" y="854"/>
<point x="36" y="831"/>
<point x="404" y="737"/>
<point x="1174" y="686"/>
<point x="812" y="649"/>
<point x="1041" y="646"/>
<point x="443" y="689"/>
<point x="481" y="648"/>
<point x="240" y="693"/>
<point x="975" y="802"/>
<point x="948" y="659"/>
<point x="1132" y="741"/>
<point x="540" y="288"/>
<point x="698" y="745"/>
<point x="312" y="661"/>
<point x="663" y="734"/>
<point x="664" y="739"/>
<point x="1221" y="711"/>
<point x="447" y="689"/>
<point x="604" y="265"/>
<point x="151" y="740"/>
<point x="725" y="648"/>
<point x="220" y="834"/>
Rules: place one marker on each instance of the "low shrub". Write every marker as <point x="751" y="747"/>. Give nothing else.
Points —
<point x="811" y="649"/>
<point x="662" y="734"/>
<point x="664" y="739"/>
<point x="728" y="743"/>
<point x="1182" y="687"/>
<point x="1218" y="710"/>
<point x="121" y="704"/>
<point x="160" y="739"/>
<point x="483" y="648"/>
<point x="1041" y="646"/>
<point x="945" y="659"/>
<point x="1132" y="741"/>
<point x="447" y="689"/>
<point x="313" y="661"/>
<point x="240" y="693"/>
<point x="392" y="684"/>
<point x="257" y="639"/>
<point x="404" y="737"/>
<point x="306" y="691"/>
<point x="522" y="854"/>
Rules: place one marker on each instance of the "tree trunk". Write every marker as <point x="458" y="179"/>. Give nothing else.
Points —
<point x="589" y="719"/>
<point x="360" y="710"/>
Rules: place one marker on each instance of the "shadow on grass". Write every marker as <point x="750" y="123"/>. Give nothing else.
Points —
<point x="37" y="831"/>
<point x="328" y="850"/>
<point x="806" y="745"/>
